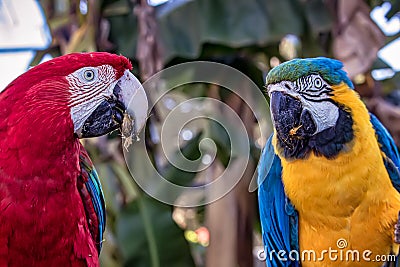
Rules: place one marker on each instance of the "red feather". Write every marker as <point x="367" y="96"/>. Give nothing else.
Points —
<point x="42" y="217"/>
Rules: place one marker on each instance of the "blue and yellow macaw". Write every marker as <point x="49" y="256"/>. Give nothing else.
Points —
<point x="329" y="174"/>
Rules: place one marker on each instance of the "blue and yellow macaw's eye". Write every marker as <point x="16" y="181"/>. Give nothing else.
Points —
<point x="306" y="117"/>
<point x="313" y="88"/>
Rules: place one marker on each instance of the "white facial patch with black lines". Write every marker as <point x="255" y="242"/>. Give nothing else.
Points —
<point x="313" y="88"/>
<point x="89" y="86"/>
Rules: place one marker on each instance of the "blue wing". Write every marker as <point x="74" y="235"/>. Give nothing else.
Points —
<point x="388" y="147"/>
<point x="92" y="198"/>
<point x="279" y="219"/>
<point x="391" y="160"/>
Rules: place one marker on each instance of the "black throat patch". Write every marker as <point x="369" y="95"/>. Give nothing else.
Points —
<point x="331" y="141"/>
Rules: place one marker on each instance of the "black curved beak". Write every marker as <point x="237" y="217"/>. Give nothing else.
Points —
<point x="291" y="121"/>
<point x="128" y="98"/>
<point x="106" y="118"/>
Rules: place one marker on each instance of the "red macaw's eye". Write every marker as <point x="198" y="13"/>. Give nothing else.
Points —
<point x="88" y="75"/>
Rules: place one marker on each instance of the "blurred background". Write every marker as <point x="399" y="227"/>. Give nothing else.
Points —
<point x="251" y="36"/>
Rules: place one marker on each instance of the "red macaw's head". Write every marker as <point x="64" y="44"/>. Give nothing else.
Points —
<point x="80" y="94"/>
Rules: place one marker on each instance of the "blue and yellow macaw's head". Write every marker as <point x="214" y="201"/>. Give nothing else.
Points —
<point x="309" y="107"/>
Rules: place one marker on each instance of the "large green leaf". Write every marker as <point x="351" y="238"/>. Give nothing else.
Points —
<point x="185" y="26"/>
<point x="236" y="23"/>
<point x="124" y="27"/>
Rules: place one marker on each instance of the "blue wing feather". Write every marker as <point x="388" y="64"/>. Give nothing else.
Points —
<point x="278" y="217"/>
<point x="94" y="188"/>
<point x="391" y="160"/>
<point x="92" y="197"/>
<point x="388" y="147"/>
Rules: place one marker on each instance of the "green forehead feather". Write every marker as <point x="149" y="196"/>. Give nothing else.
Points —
<point x="329" y="69"/>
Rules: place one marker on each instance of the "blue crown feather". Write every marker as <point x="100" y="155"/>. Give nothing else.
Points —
<point x="329" y="69"/>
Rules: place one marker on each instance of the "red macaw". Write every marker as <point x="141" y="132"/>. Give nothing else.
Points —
<point x="51" y="202"/>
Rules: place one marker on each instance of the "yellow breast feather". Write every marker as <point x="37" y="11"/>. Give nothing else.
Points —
<point x="348" y="198"/>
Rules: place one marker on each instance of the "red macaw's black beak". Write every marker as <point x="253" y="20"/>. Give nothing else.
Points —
<point x="106" y="118"/>
<point x="128" y="98"/>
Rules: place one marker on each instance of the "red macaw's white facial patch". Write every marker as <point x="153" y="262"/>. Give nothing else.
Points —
<point x="98" y="87"/>
<point x="89" y="86"/>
